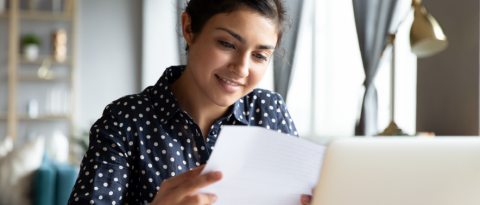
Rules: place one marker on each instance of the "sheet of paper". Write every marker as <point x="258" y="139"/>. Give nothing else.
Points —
<point x="262" y="166"/>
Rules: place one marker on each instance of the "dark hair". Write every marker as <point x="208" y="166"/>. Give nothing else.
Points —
<point x="201" y="11"/>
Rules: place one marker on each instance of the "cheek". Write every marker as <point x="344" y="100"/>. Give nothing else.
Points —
<point x="210" y="57"/>
<point x="255" y="76"/>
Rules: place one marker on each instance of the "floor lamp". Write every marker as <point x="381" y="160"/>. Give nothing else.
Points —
<point x="426" y="39"/>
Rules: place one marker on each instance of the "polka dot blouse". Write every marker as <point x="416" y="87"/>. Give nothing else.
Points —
<point x="143" y="139"/>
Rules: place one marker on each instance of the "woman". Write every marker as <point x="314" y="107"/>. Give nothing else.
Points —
<point x="169" y="130"/>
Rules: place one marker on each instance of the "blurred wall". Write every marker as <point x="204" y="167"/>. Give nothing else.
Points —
<point x="448" y="83"/>
<point x="109" y="55"/>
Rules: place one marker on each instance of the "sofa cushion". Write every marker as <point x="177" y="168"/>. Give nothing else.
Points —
<point x="16" y="172"/>
<point x="45" y="183"/>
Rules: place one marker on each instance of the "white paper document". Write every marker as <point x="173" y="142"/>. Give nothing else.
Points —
<point x="261" y="166"/>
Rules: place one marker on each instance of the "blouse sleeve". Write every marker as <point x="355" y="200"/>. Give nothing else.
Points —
<point x="284" y="121"/>
<point x="105" y="169"/>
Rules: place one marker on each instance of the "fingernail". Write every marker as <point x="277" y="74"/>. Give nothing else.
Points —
<point x="306" y="198"/>
<point x="213" y="198"/>
<point x="217" y="175"/>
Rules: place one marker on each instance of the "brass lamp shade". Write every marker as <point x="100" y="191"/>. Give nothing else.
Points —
<point x="426" y="35"/>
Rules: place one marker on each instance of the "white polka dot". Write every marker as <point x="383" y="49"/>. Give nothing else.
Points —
<point x="172" y="159"/>
<point x="273" y="120"/>
<point x="133" y="107"/>
<point x="96" y="188"/>
<point x="173" y="174"/>
<point x="105" y="184"/>
<point x="263" y="101"/>
<point x="165" y="166"/>
<point x="100" y="175"/>
<point x="110" y="193"/>
<point x="92" y="202"/>
<point x="100" y="197"/>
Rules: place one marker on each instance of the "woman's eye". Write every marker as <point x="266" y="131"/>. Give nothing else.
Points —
<point x="262" y="57"/>
<point x="227" y="45"/>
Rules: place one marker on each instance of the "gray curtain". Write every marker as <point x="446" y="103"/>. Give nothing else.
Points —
<point x="373" y="19"/>
<point x="283" y="67"/>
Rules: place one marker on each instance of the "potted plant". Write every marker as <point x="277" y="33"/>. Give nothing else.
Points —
<point x="30" y="45"/>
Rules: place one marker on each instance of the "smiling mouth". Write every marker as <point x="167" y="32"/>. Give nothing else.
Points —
<point x="229" y="82"/>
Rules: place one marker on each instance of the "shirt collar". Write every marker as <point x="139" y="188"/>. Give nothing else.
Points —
<point x="166" y="104"/>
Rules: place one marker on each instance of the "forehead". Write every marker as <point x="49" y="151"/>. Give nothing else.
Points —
<point x="253" y="27"/>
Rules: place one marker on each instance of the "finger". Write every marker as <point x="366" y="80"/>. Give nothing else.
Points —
<point x="193" y="185"/>
<point x="305" y="199"/>
<point x="201" y="199"/>
<point x="177" y="180"/>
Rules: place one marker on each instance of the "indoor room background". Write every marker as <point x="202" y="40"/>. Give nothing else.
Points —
<point x="114" y="48"/>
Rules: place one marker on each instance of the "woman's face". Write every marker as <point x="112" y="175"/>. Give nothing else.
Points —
<point x="230" y="55"/>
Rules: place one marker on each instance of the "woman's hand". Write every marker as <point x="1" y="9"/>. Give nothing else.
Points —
<point x="306" y="199"/>
<point x="179" y="189"/>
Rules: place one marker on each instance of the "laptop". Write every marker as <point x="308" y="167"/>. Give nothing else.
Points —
<point x="400" y="171"/>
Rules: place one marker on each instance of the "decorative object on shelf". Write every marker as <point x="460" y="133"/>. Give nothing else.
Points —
<point x="3" y="5"/>
<point x="57" y="147"/>
<point x="58" y="102"/>
<point x="44" y="71"/>
<point x="60" y="45"/>
<point x="31" y="45"/>
<point x="426" y="39"/>
<point x="33" y="108"/>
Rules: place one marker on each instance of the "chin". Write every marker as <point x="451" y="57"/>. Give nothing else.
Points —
<point x="225" y="101"/>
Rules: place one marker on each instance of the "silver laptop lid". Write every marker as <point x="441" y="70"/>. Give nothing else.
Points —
<point x="391" y="171"/>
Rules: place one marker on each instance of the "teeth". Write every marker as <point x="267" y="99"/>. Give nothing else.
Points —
<point x="228" y="82"/>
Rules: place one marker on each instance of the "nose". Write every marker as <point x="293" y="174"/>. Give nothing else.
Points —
<point x="240" y="65"/>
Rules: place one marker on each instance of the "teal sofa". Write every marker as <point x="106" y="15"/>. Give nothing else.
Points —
<point x="53" y="182"/>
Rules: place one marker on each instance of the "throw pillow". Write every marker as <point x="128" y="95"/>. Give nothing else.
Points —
<point x="6" y="145"/>
<point x="16" y="172"/>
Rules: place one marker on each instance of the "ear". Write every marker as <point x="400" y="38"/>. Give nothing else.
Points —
<point x="187" y="28"/>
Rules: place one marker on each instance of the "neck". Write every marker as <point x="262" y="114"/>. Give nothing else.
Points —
<point x="195" y="102"/>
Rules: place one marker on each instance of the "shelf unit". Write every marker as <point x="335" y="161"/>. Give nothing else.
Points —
<point x="15" y="16"/>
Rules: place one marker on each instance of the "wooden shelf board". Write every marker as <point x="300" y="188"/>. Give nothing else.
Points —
<point x="40" y="60"/>
<point x="35" y="78"/>
<point x="46" y="117"/>
<point x="39" y="118"/>
<point x="44" y="15"/>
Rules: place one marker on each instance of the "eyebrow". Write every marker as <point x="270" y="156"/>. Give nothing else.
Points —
<point x="239" y="38"/>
